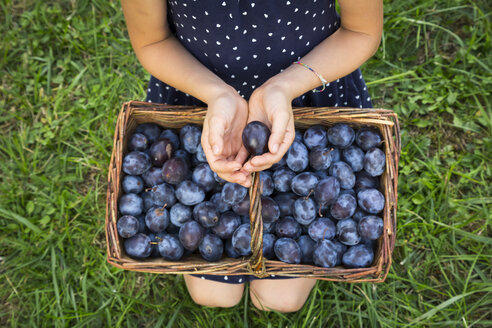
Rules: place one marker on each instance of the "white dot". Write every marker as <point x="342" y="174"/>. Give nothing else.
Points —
<point x="218" y="25"/>
<point x="255" y="76"/>
<point x="329" y="6"/>
<point x="238" y="57"/>
<point x="282" y="38"/>
<point x="244" y="83"/>
<point x="329" y="26"/>
<point x="167" y="88"/>
<point x="206" y="30"/>
<point x="194" y="38"/>
<point x="328" y="84"/>
<point x="341" y="87"/>
<point x="253" y="86"/>
<point x="360" y="77"/>
<point x="268" y="64"/>
<point x="245" y="68"/>
<point x="266" y="16"/>
<point x="184" y="5"/>
<point x="278" y="21"/>
<point x="307" y="43"/>
<point x="292" y="53"/>
<point x="253" y="40"/>
<point x="193" y="17"/>
<point x="236" y="28"/>
<point x="245" y="13"/>
<point x="357" y="97"/>
<point x="176" y="99"/>
<point x="254" y="56"/>
<point x="234" y="48"/>
<point x="205" y="54"/>
<point x="330" y="94"/>
<point x="322" y="28"/>
<point x="148" y="90"/>
<point x="206" y="13"/>
<point x="218" y="43"/>
<point x="323" y="12"/>
<point x="270" y="34"/>
<point x="273" y="275"/>
<point x="314" y="28"/>
<point x="233" y="76"/>
<point x="300" y="36"/>
<point x="226" y="66"/>
<point x="186" y="16"/>
<point x="149" y="100"/>
<point x="307" y="12"/>
<point x="224" y="3"/>
<point x="217" y="55"/>
<point x="338" y="80"/>
<point x="288" y="3"/>
<point x="244" y="32"/>
<point x="296" y="10"/>
<point x="241" y="280"/>
<point x="336" y="105"/>
<point x="297" y="28"/>
<point x="160" y="95"/>
<point x="288" y="23"/>
<point x="254" y="26"/>
<point x="365" y="88"/>
<point x="283" y="50"/>
<point x="202" y="277"/>
<point x="341" y="95"/>
<point x="314" y="15"/>
<point x="368" y="98"/>
<point x="360" y="106"/>
<point x="205" y="41"/>
<point x="268" y="48"/>
<point x="345" y="103"/>
<point x="230" y="15"/>
<point x="252" y="4"/>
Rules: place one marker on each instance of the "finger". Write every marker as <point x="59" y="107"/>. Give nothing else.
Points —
<point x="216" y="128"/>
<point x="237" y="177"/>
<point x="279" y="127"/>
<point x="221" y="165"/>
<point x="242" y="155"/>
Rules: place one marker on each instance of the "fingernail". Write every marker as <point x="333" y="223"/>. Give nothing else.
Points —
<point x="275" y="148"/>
<point x="216" y="150"/>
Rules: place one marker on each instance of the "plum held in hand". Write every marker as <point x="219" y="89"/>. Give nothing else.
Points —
<point x="170" y="248"/>
<point x="325" y="254"/>
<point x="287" y="250"/>
<point x="358" y="256"/>
<point x="131" y="204"/>
<point x="191" y="235"/>
<point x="211" y="248"/>
<point x="138" y="246"/>
<point x="371" y="200"/>
<point x="255" y="138"/>
<point x="136" y="163"/>
<point x="127" y="226"/>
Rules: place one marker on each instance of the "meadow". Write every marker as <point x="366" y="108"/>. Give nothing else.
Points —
<point x="67" y="66"/>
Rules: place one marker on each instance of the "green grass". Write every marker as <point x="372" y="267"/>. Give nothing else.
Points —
<point x="66" y="68"/>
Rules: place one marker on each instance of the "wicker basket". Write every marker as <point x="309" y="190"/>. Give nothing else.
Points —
<point x="134" y="113"/>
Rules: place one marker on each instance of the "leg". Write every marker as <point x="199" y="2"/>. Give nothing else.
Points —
<point x="281" y="295"/>
<point x="212" y="293"/>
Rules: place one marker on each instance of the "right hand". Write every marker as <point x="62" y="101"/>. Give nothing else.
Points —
<point x="226" y="118"/>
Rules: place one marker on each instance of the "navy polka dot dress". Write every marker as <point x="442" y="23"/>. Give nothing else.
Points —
<point x="247" y="42"/>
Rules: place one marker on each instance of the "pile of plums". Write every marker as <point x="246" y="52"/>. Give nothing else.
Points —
<point x="320" y="203"/>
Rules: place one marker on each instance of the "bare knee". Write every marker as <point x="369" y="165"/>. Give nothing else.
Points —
<point x="212" y="293"/>
<point x="275" y="295"/>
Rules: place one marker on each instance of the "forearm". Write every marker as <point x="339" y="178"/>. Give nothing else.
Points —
<point x="335" y="57"/>
<point x="171" y="63"/>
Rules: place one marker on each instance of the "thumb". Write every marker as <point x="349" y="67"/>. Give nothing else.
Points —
<point x="279" y="127"/>
<point x="216" y="128"/>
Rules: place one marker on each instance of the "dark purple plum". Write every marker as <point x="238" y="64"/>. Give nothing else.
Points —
<point x="132" y="184"/>
<point x="304" y="183"/>
<point x="365" y="181"/>
<point x="241" y="240"/>
<point x="153" y="177"/>
<point x="358" y="256"/>
<point x="322" y="228"/>
<point x="255" y="138"/>
<point x="320" y="158"/>
<point x="204" y="177"/>
<point x="138" y="142"/>
<point x="371" y="200"/>
<point x="327" y="191"/>
<point x="268" y="244"/>
<point x="170" y="248"/>
<point x="230" y="250"/>
<point x="233" y="193"/>
<point x="370" y="227"/>
<point x="127" y="226"/>
<point x="343" y="172"/>
<point x="368" y="138"/>
<point x="171" y="136"/>
<point x="287" y="250"/>
<point x="175" y="171"/>
<point x="211" y="248"/>
<point x="148" y="200"/>
<point x="160" y="151"/>
<point x="206" y="214"/>
<point x="270" y="211"/>
<point x="136" y="163"/>
<point x="219" y="203"/>
<point x="287" y="227"/>
<point x="190" y="136"/>
<point x="189" y="193"/>
<point x="285" y="201"/>
<point x="354" y="156"/>
<point x="347" y="232"/>
<point x="163" y="195"/>
<point x="228" y="223"/>
<point x="374" y="162"/>
<point x="157" y="219"/>
<point x="297" y="157"/>
<point x="306" y="244"/>
<point x="150" y="130"/>
<point x="242" y="207"/>
<point x="180" y="214"/>
<point x="130" y="204"/>
<point x="304" y="210"/>
<point x="191" y="235"/>
<point x="266" y="183"/>
<point x="344" y="207"/>
<point x="315" y="136"/>
<point x="138" y="246"/>
<point x="341" y="135"/>
<point x="325" y="254"/>
<point x="282" y="179"/>
<point x="181" y="153"/>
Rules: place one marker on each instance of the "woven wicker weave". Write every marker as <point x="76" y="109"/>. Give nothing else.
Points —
<point x="134" y="113"/>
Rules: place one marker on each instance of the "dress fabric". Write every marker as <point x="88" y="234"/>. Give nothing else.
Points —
<point x="247" y="42"/>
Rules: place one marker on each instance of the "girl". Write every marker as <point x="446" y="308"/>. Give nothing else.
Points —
<point x="252" y="61"/>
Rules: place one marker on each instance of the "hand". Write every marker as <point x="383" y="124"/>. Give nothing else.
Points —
<point x="271" y="104"/>
<point x="221" y="136"/>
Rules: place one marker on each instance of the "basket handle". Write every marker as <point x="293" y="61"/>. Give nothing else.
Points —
<point x="256" y="263"/>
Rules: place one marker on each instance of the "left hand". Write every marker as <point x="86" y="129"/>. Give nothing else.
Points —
<point x="271" y="104"/>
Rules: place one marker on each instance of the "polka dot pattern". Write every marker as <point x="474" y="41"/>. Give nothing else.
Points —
<point x="247" y="42"/>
